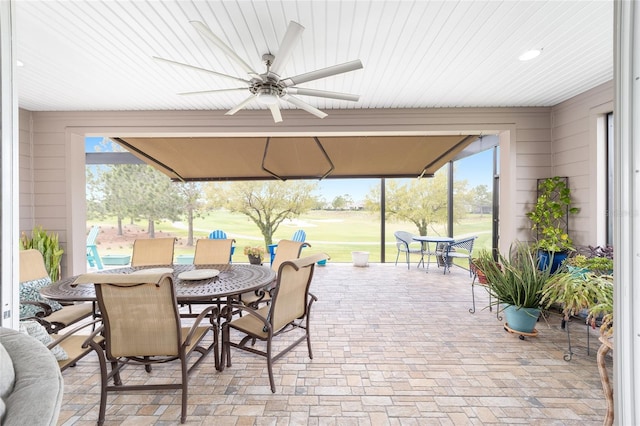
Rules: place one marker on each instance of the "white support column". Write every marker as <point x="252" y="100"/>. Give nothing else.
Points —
<point x="626" y="215"/>
<point x="9" y="269"/>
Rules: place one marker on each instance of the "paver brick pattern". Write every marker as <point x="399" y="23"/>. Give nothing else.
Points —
<point x="391" y="346"/>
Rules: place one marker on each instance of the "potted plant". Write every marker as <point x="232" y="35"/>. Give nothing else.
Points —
<point x="597" y="260"/>
<point x="549" y="219"/>
<point x="47" y="244"/>
<point x="585" y="282"/>
<point x="255" y="254"/>
<point x="516" y="281"/>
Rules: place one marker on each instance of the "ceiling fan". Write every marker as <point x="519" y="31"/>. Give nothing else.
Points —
<point x="269" y="87"/>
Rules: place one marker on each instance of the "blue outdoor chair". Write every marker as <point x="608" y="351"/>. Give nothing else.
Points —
<point x="221" y="235"/>
<point x="92" y="250"/>
<point x="299" y="236"/>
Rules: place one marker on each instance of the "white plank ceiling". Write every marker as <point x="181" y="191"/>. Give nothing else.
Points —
<point x="97" y="55"/>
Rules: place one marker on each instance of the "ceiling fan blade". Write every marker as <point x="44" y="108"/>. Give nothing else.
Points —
<point x="240" y="106"/>
<point x="322" y="94"/>
<point x="200" y="69"/>
<point x="206" y="33"/>
<point x="322" y="73"/>
<point x="275" y="112"/>
<point x="305" y="106"/>
<point x="291" y="38"/>
<point x="202" y="92"/>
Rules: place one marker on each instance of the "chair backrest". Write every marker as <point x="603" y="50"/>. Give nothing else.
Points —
<point x="212" y="252"/>
<point x="32" y="265"/>
<point x="464" y="244"/>
<point x="299" y="236"/>
<point x="290" y="294"/>
<point x="153" y="251"/>
<point x="403" y="239"/>
<point x="218" y="235"/>
<point x="139" y="312"/>
<point x="287" y="250"/>
<point x="93" y="235"/>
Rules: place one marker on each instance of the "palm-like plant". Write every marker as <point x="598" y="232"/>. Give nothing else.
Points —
<point x="515" y="279"/>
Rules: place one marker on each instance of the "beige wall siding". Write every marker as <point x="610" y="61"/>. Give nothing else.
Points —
<point x="58" y="156"/>
<point x="25" y="160"/>
<point x="575" y="137"/>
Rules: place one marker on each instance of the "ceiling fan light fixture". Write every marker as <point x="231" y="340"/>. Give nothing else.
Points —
<point x="530" y="54"/>
<point x="268" y="96"/>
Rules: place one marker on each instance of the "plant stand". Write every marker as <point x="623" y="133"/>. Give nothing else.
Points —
<point x="522" y="334"/>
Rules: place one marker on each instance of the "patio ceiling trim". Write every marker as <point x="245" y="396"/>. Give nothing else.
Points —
<point x="296" y="157"/>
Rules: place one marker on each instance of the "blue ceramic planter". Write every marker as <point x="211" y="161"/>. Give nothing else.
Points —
<point x="556" y="259"/>
<point x="523" y="319"/>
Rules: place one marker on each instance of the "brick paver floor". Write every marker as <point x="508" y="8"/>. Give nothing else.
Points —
<point x="391" y="347"/>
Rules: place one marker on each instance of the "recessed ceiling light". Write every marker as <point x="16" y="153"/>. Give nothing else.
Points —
<point x="530" y="54"/>
<point x="19" y="63"/>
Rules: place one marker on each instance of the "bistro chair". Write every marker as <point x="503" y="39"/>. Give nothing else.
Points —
<point x="461" y="249"/>
<point x="52" y="315"/>
<point x="212" y="252"/>
<point x="287" y="250"/>
<point x="405" y="244"/>
<point x="219" y="234"/>
<point x="153" y="252"/>
<point x="299" y="236"/>
<point x="290" y="309"/>
<point x="141" y="325"/>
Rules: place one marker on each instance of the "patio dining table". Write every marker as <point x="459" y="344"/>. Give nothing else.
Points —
<point x="232" y="280"/>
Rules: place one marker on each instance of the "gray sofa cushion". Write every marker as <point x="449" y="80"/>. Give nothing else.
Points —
<point x="37" y="393"/>
<point x="7" y="378"/>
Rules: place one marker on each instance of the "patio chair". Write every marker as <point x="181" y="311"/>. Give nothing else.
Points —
<point x="461" y="249"/>
<point x="405" y="244"/>
<point x="141" y="325"/>
<point x="153" y="252"/>
<point x="287" y="250"/>
<point x="299" y="236"/>
<point x="212" y="252"/>
<point x="51" y="314"/>
<point x="92" y="250"/>
<point x="290" y="309"/>
<point x="221" y="235"/>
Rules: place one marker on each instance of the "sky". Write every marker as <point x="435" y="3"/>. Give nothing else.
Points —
<point x="476" y="170"/>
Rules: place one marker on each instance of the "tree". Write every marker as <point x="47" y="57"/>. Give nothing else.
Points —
<point x="191" y="195"/>
<point x="341" y="202"/>
<point x="482" y="200"/>
<point x="268" y="203"/>
<point x="422" y="202"/>
<point x="158" y="198"/>
<point x="121" y="191"/>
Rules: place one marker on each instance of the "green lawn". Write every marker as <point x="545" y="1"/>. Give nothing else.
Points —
<point x="337" y="233"/>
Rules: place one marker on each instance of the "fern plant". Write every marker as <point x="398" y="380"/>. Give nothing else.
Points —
<point x="47" y="244"/>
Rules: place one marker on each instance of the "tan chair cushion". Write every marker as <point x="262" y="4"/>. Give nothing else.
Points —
<point x="70" y="314"/>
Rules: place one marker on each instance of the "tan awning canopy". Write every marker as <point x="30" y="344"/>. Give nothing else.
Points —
<point x="262" y="158"/>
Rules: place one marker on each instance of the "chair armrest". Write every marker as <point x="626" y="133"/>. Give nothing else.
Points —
<point x="47" y="310"/>
<point x="250" y="311"/>
<point x="62" y="337"/>
<point x="197" y="321"/>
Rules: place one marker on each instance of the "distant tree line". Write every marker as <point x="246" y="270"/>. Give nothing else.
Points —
<point x="133" y="192"/>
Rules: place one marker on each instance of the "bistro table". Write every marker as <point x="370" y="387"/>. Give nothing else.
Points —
<point x="233" y="280"/>
<point x="426" y="239"/>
